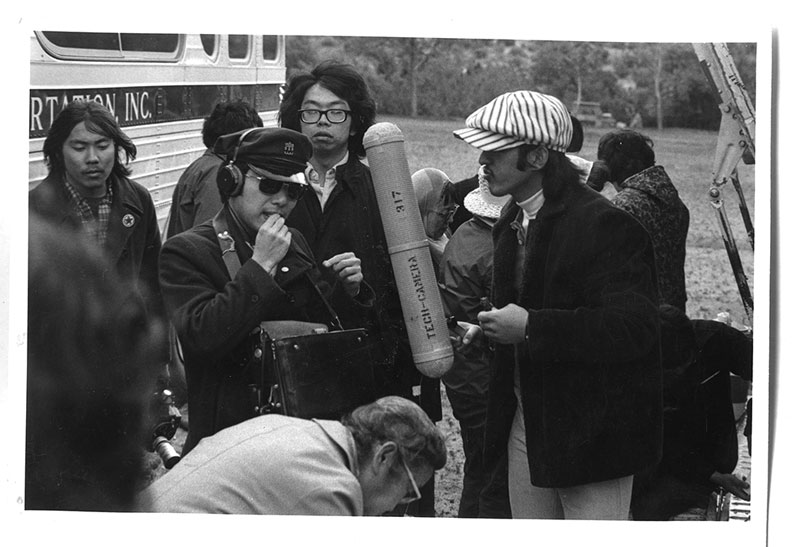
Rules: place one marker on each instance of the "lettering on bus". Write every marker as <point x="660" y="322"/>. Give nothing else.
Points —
<point x="130" y="106"/>
<point x="148" y="105"/>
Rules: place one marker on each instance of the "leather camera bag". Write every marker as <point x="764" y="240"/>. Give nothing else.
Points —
<point x="304" y="370"/>
<point x="315" y="374"/>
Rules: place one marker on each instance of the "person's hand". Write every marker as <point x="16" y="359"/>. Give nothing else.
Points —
<point x="272" y="243"/>
<point x="347" y="266"/>
<point x="506" y="325"/>
<point x="464" y="336"/>
<point x="739" y="487"/>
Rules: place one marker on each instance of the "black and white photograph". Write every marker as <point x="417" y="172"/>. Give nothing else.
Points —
<point x="466" y="272"/>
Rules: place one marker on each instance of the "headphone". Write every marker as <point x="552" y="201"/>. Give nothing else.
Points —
<point x="230" y="179"/>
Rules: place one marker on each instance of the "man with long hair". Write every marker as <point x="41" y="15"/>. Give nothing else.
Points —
<point x="88" y="191"/>
<point x="575" y="393"/>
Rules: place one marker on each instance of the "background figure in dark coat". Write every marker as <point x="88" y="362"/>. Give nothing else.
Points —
<point x="332" y="105"/>
<point x="215" y="314"/>
<point x="701" y="446"/>
<point x="627" y="160"/>
<point x="196" y="197"/>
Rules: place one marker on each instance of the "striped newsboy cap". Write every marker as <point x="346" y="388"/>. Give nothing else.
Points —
<point x="517" y="118"/>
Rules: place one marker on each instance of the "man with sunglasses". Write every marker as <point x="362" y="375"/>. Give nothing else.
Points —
<point x="373" y="460"/>
<point x="333" y="107"/>
<point x="222" y="278"/>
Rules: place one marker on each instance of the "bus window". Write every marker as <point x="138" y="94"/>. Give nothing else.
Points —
<point x="84" y="40"/>
<point x="270" y="47"/>
<point x="209" y="44"/>
<point x="111" y="46"/>
<point x="238" y="46"/>
<point x="165" y="43"/>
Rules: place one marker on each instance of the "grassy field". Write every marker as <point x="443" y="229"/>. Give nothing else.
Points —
<point x="686" y="154"/>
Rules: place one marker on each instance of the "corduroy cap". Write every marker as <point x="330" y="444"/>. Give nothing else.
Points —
<point x="517" y="118"/>
<point x="274" y="149"/>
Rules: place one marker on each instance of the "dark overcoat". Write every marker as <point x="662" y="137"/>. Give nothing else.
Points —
<point x="215" y="316"/>
<point x="589" y="368"/>
<point x="133" y="239"/>
<point x="351" y="221"/>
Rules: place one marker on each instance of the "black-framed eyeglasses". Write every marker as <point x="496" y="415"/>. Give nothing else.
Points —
<point x="409" y="497"/>
<point x="336" y="115"/>
<point x="271" y="187"/>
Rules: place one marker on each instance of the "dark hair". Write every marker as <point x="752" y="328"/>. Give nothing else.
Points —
<point x="98" y="119"/>
<point x="626" y="152"/>
<point x="91" y="360"/>
<point x="558" y="167"/>
<point x="403" y="422"/>
<point x="229" y="117"/>
<point x="576" y="143"/>
<point x="343" y="81"/>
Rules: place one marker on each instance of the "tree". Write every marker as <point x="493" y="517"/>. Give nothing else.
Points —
<point x="439" y="77"/>
<point x="567" y="69"/>
<point x="417" y="51"/>
<point x="643" y="64"/>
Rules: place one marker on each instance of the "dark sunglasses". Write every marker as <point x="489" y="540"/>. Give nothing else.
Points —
<point x="271" y="187"/>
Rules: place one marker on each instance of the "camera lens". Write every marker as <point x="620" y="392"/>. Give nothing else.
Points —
<point x="166" y="452"/>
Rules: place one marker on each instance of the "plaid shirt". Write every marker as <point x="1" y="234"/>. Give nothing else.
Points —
<point x="95" y="227"/>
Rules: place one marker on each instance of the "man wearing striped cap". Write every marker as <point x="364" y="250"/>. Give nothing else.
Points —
<point x="575" y="394"/>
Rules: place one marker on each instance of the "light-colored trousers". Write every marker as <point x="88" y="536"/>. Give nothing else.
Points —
<point x="606" y="500"/>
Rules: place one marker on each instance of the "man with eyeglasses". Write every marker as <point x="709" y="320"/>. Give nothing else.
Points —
<point x="222" y="278"/>
<point x="333" y="107"/>
<point x="373" y="460"/>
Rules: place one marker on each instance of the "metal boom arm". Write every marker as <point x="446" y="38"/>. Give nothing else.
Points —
<point x="736" y="142"/>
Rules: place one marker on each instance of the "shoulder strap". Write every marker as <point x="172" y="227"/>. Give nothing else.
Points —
<point x="228" y="247"/>
<point x="226" y="244"/>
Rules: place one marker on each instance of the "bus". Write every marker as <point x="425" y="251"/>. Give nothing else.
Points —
<point x="160" y="88"/>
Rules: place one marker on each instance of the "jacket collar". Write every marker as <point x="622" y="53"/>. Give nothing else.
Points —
<point x="349" y="173"/>
<point x="557" y="194"/>
<point x="653" y="181"/>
